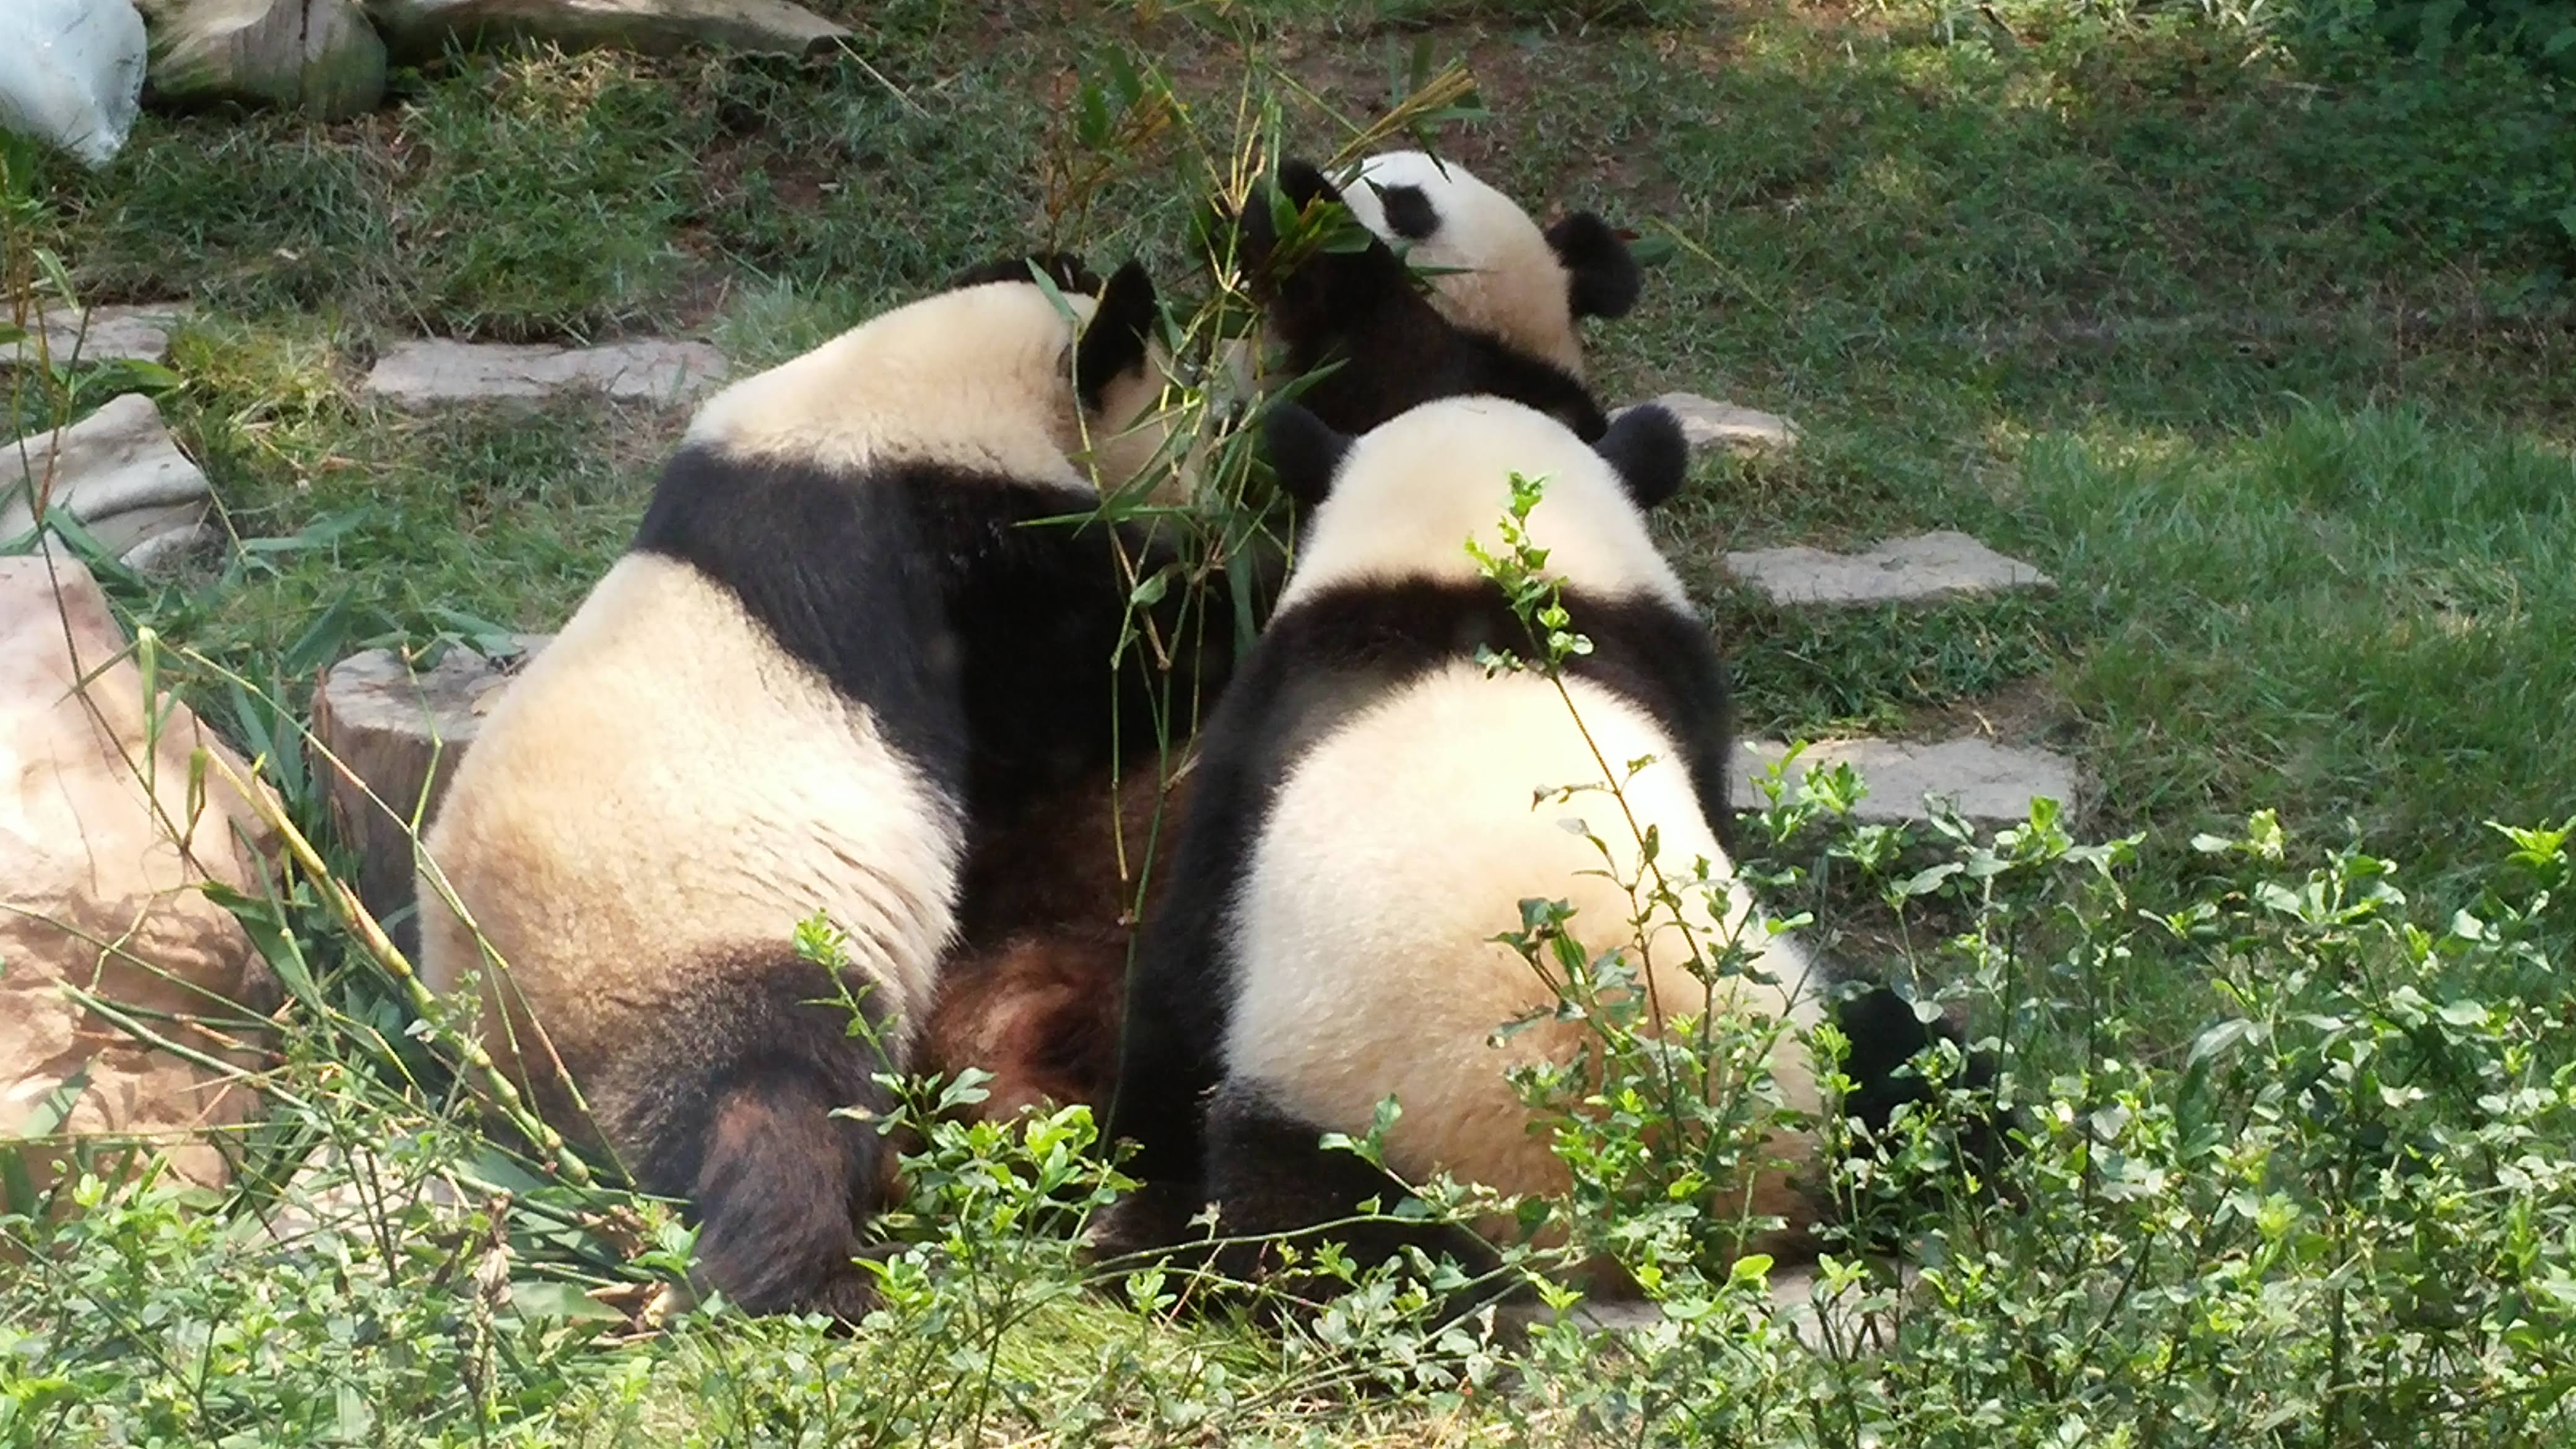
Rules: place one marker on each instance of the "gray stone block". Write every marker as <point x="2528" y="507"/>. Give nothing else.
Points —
<point x="1905" y="570"/>
<point x="434" y="370"/>
<point x="1987" y="783"/>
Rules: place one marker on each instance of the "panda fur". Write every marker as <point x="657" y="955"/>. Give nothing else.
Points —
<point x="1497" y="330"/>
<point x="1039" y="981"/>
<point x="1492" y="270"/>
<point x="1362" y="825"/>
<point x="829" y="655"/>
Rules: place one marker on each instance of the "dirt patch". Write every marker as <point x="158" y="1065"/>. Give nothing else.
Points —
<point x="2025" y="712"/>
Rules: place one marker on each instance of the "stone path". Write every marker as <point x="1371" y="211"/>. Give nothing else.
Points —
<point x="1708" y="423"/>
<point x="1987" y="783"/>
<point x="433" y="370"/>
<point x="110" y="334"/>
<point x="120" y="475"/>
<point x="1915" y="569"/>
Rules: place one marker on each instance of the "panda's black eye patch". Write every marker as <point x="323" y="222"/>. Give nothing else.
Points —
<point x="1409" y="211"/>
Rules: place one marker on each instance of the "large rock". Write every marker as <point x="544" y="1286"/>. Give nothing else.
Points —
<point x="1916" y="569"/>
<point x="434" y="370"/>
<point x="419" y="28"/>
<point x="319" y="55"/>
<point x="104" y="334"/>
<point x="118" y="473"/>
<point x="397" y="735"/>
<point x="1987" y="783"/>
<point x="99" y="873"/>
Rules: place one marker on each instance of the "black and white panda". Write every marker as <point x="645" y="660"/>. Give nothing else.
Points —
<point x="1499" y="318"/>
<point x="1036" y="994"/>
<point x="1492" y="269"/>
<point x="1370" y="808"/>
<point x="836" y="648"/>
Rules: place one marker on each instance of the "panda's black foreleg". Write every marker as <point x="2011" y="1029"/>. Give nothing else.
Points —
<point x="737" y="1118"/>
<point x="1275" y="1181"/>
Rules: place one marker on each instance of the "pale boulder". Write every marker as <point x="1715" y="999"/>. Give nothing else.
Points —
<point x="101" y="866"/>
<point x="117" y="472"/>
<point x="317" y="55"/>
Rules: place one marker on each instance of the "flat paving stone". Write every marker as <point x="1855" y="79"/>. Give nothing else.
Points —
<point x="138" y="333"/>
<point x="432" y="370"/>
<point x="1987" y="783"/>
<point x="1708" y="423"/>
<point x="117" y="472"/>
<point x="1922" y="567"/>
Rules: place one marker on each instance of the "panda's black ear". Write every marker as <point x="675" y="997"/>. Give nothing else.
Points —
<point x="1114" y="344"/>
<point x="1646" y="447"/>
<point x="1303" y="182"/>
<point x="1304" y="452"/>
<point x="1602" y="278"/>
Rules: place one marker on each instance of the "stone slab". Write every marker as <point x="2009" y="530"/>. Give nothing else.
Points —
<point x="433" y="370"/>
<point x="1708" y="423"/>
<point x="1915" y="569"/>
<point x="112" y="334"/>
<point x="1987" y="783"/>
<point x="117" y="472"/>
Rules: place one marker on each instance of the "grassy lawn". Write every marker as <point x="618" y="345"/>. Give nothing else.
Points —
<point x="2269" y="361"/>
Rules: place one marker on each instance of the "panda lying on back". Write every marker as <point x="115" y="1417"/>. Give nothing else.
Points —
<point x="832" y="651"/>
<point x="1362" y="825"/>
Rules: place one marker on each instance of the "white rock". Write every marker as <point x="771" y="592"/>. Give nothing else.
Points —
<point x="1708" y="423"/>
<point x="419" y="28"/>
<point x="435" y="370"/>
<point x="99" y="869"/>
<point x="117" y="472"/>
<point x="1905" y="570"/>
<point x="317" y="55"/>
<point x="108" y="334"/>
<point x="1987" y="783"/>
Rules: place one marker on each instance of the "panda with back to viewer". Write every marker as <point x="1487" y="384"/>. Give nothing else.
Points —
<point x="1372" y="804"/>
<point x="835" y="652"/>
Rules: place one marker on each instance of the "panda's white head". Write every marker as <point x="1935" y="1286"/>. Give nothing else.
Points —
<point x="990" y="374"/>
<point x="1493" y="269"/>
<point x="1398" y="503"/>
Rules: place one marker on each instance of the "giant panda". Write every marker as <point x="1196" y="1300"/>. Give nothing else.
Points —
<point x="1036" y="990"/>
<point x="837" y="649"/>
<point x="1498" y="316"/>
<point x="1371" y="805"/>
<point x="1492" y="270"/>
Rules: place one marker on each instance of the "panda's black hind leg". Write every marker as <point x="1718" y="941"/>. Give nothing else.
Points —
<point x="1270" y="1174"/>
<point x="739" y="1121"/>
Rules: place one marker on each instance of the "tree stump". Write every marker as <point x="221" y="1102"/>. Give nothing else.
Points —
<point x="397" y="735"/>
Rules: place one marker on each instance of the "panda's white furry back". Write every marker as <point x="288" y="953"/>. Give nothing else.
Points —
<point x="1371" y="805"/>
<point x="830" y="651"/>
